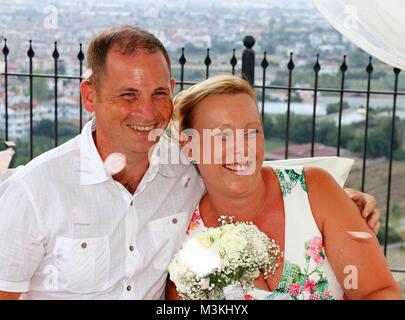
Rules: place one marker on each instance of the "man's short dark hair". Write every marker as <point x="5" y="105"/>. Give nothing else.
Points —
<point x="126" y="40"/>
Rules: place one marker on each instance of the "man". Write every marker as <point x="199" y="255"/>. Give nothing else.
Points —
<point x="71" y="228"/>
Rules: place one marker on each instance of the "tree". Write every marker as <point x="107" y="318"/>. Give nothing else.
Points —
<point x="300" y="130"/>
<point x="393" y="236"/>
<point x="45" y="128"/>
<point x="326" y="133"/>
<point x="40" y="88"/>
<point x="221" y="47"/>
<point x="2" y="143"/>
<point x="300" y="127"/>
<point x="379" y="139"/>
<point x="335" y="107"/>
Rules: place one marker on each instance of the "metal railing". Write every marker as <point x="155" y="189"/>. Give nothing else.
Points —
<point x="248" y="73"/>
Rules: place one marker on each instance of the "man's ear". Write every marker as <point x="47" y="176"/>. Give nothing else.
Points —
<point x="173" y="85"/>
<point x="88" y="93"/>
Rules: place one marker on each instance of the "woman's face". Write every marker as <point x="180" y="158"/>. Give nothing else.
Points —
<point x="230" y="143"/>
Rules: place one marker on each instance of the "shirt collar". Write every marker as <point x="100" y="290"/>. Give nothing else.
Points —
<point x="156" y="162"/>
<point x="92" y="170"/>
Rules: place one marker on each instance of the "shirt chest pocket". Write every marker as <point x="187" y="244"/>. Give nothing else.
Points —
<point x="83" y="264"/>
<point x="167" y="234"/>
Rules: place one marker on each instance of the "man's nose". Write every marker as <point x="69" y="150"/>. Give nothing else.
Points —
<point x="146" y="109"/>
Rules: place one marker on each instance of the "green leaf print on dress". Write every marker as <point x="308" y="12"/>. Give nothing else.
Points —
<point x="288" y="180"/>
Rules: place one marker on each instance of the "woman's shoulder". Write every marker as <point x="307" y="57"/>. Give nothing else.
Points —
<point x="314" y="177"/>
<point x="318" y="175"/>
<point x="325" y="196"/>
<point x="269" y="176"/>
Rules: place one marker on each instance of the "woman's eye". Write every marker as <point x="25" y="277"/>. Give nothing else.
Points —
<point x="252" y="132"/>
<point x="223" y="134"/>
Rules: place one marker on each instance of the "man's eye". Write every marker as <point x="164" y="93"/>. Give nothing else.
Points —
<point x="160" y="93"/>
<point x="127" y="95"/>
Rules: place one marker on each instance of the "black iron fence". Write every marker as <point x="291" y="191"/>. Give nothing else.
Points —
<point x="248" y="72"/>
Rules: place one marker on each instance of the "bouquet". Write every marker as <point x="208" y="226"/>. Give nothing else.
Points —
<point x="222" y="263"/>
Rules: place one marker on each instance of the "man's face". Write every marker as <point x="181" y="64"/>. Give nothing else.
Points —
<point x="134" y="96"/>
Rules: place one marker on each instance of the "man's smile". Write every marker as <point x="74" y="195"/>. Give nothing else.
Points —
<point x="142" y="130"/>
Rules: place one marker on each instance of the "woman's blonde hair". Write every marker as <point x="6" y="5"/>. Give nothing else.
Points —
<point x="186" y="101"/>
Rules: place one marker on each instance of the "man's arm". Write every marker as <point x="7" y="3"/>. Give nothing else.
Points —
<point x="20" y="227"/>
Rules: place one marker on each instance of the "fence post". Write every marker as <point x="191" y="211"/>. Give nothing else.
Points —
<point x="248" y="60"/>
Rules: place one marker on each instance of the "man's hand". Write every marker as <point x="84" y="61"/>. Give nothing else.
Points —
<point x="9" y="295"/>
<point x="368" y="207"/>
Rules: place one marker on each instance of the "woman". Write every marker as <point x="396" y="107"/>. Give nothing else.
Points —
<point x="303" y="210"/>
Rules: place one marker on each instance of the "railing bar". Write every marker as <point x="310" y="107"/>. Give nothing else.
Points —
<point x="343" y="69"/>
<point x="31" y="55"/>
<point x="387" y="216"/>
<point x="369" y="70"/>
<point x="188" y="83"/>
<point x="233" y="62"/>
<point x="6" y="87"/>
<point x="207" y="63"/>
<point x="56" y="56"/>
<point x="80" y="56"/>
<point x="182" y="62"/>
<point x="317" y="68"/>
<point x="331" y="90"/>
<point x="37" y="75"/>
<point x="290" y="67"/>
<point x="264" y="66"/>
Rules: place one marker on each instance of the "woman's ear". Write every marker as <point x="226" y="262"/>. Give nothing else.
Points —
<point x="88" y="93"/>
<point x="190" y="154"/>
<point x="186" y="148"/>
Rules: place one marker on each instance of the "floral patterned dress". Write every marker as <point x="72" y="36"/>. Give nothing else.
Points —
<point x="307" y="273"/>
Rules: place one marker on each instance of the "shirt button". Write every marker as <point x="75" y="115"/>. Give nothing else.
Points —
<point x="84" y="245"/>
<point x="174" y="220"/>
<point x="131" y="248"/>
<point x="132" y="203"/>
<point x="129" y="288"/>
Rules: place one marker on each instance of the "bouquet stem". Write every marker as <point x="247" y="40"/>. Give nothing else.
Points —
<point x="234" y="291"/>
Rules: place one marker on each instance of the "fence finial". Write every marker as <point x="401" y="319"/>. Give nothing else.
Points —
<point x="30" y="51"/>
<point x="5" y="48"/>
<point x="233" y="62"/>
<point x="317" y="66"/>
<point x="55" y="53"/>
<point x="248" y="60"/>
<point x="207" y="63"/>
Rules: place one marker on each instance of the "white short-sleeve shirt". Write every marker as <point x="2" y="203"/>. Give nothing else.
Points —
<point x="69" y="231"/>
